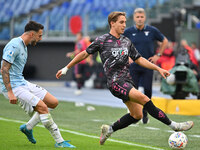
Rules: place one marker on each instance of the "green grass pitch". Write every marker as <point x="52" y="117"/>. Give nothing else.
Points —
<point x="82" y="127"/>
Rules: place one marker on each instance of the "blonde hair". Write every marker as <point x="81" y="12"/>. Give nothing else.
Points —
<point x="113" y="16"/>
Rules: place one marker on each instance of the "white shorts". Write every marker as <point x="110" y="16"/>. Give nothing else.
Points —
<point x="28" y="96"/>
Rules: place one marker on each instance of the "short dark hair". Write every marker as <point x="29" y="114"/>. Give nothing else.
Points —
<point x="33" y="26"/>
<point x="113" y="16"/>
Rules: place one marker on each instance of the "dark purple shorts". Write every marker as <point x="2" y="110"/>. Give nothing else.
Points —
<point x="121" y="89"/>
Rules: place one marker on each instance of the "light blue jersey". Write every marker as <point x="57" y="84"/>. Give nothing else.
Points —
<point x="15" y="52"/>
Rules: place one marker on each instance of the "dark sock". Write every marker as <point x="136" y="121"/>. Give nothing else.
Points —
<point x="145" y="117"/>
<point x="123" y="122"/>
<point x="144" y="113"/>
<point x="148" y="93"/>
<point x="80" y="83"/>
<point x="156" y="113"/>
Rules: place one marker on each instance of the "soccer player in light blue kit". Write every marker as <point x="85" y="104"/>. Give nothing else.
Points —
<point x="31" y="97"/>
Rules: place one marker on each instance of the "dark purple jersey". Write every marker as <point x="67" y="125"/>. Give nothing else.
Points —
<point x="115" y="55"/>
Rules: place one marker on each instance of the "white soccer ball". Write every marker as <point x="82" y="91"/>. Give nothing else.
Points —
<point x="171" y="79"/>
<point x="178" y="140"/>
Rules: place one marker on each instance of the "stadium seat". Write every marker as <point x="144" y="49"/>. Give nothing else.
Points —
<point x="96" y="10"/>
<point x="45" y="2"/>
<point x="5" y="34"/>
<point x="19" y="27"/>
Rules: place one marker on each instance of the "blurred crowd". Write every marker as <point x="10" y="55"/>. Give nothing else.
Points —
<point x="86" y="68"/>
<point x="168" y="58"/>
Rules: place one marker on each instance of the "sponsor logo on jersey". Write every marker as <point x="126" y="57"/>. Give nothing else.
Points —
<point x="119" y="51"/>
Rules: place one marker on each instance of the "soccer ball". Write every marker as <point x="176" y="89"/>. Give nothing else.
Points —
<point x="171" y="79"/>
<point x="178" y="140"/>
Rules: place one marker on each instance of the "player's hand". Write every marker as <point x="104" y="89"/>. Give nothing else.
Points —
<point x="69" y="54"/>
<point x="61" y="72"/>
<point x="12" y="98"/>
<point x="164" y="73"/>
<point x="154" y="59"/>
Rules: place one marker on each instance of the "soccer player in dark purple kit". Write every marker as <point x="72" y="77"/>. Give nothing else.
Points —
<point x="115" y="51"/>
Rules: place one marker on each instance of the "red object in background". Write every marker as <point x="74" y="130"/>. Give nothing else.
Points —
<point x="191" y="54"/>
<point x="75" y="24"/>
<point x="167" y="60"/>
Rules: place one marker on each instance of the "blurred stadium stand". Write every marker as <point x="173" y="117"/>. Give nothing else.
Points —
<point x="56" y="14"/>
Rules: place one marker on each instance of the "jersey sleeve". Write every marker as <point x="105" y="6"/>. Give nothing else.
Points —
<point x="134" y="54"/>
<point x="10" y="53"/>
<point x="158" y="35"/>
<point x="94" y="46"/>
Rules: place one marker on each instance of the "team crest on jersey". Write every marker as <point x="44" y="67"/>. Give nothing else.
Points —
<point x="134" y="34"/>
<point x="146" y="33"/>
<point x="10" y="53"/>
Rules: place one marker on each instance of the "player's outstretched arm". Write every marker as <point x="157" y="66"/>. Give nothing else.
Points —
<point x="145" y="63"/>
<point x="81" y="56"/>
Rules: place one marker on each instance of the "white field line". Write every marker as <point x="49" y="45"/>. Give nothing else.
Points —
<point x="170" y="131"/>
<point x="90" y="136"/>
<point x="152" y="128"/>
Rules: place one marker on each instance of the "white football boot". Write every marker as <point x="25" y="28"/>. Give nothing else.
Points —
<point x="183" y="126"/>
<point x="106" y="132"/>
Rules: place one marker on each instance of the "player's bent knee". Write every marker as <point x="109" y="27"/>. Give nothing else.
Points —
<point x="137" y="116"/>
<point x="54" y="103"/>
<point x="50" y="101"/>
<point x="144" y="99"/>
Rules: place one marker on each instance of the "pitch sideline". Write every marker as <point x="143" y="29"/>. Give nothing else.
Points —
<point x="86" y="135"/>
